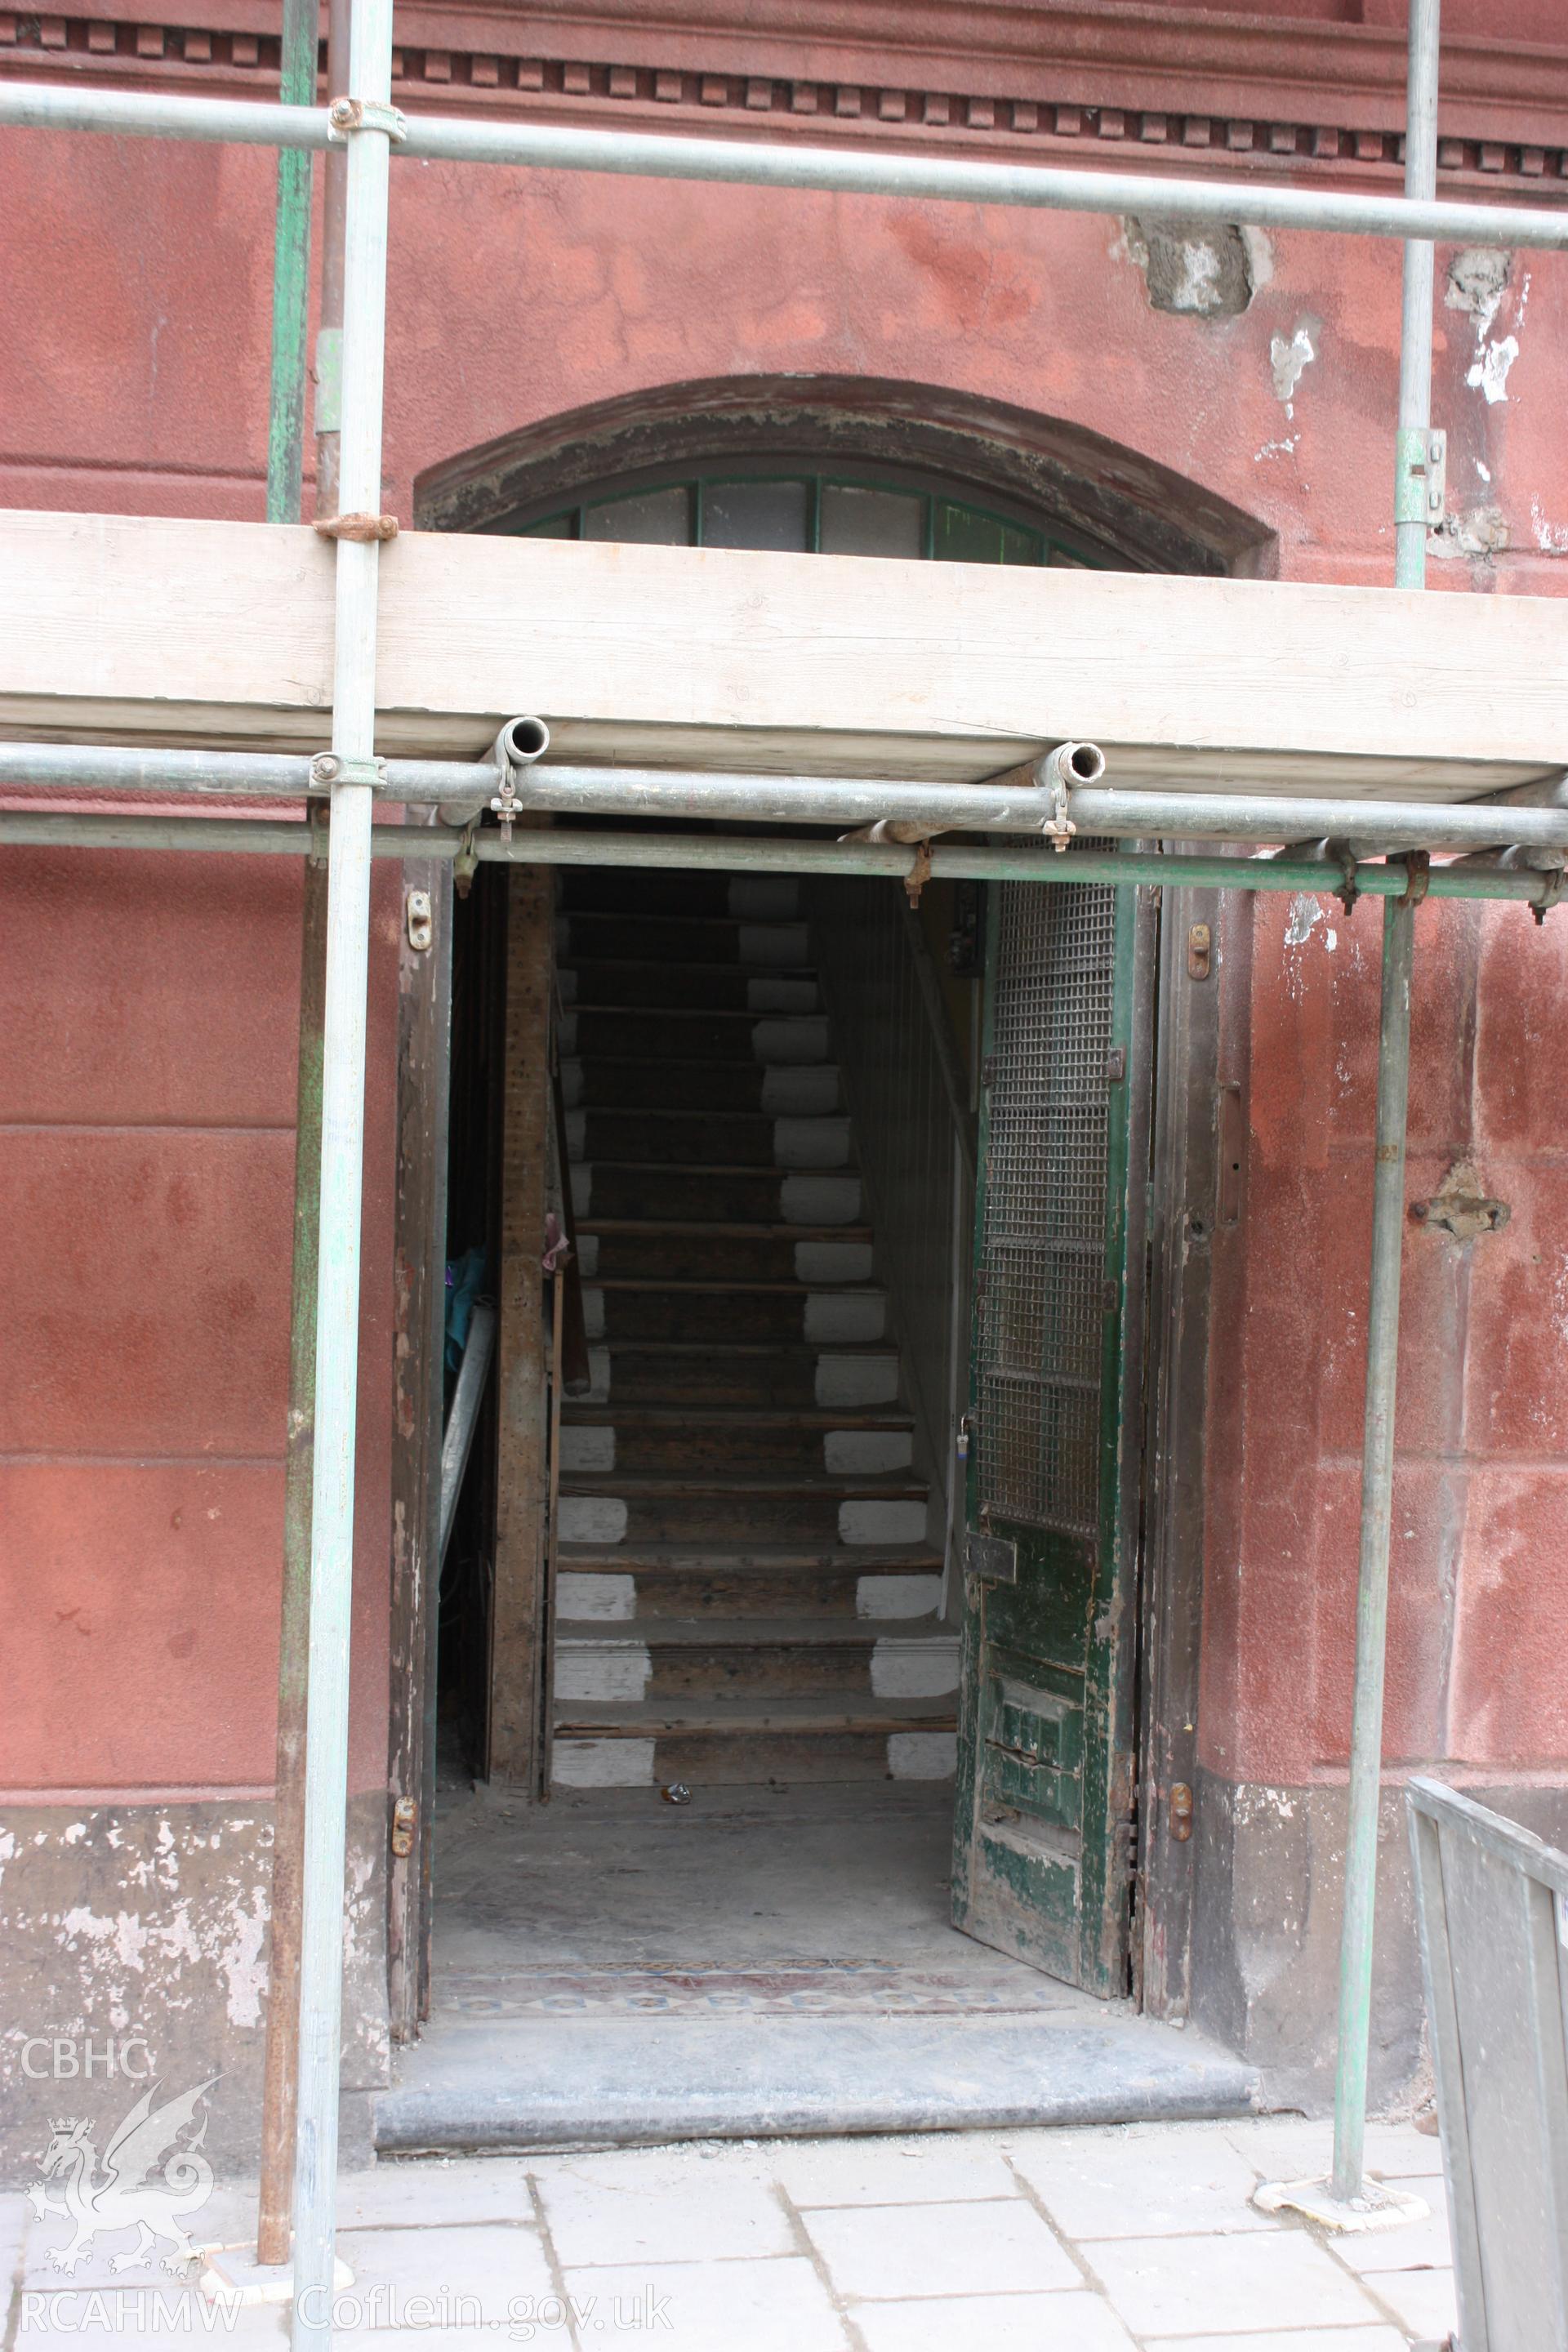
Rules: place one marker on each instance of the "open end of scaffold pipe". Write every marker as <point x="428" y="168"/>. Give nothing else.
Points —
<point x="562" y="147"/>
<point x="461" y="789"/>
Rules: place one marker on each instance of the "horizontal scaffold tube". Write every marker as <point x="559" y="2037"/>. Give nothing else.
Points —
<point x="983" y="862"/>
<point x="849" y="170"/>
<point x="1012" y="804"/>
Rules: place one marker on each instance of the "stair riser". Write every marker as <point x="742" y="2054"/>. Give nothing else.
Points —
<point x="647" y="890"/>
<point x="627" y="1374"/>
<point x="771" y="946"/>
<point x="784" y="1316"/>
<point x="721" y="1257"/>
<point x="691" y="1196"/>
<point x="647" y="1595"/>
<point x="654" y="1084"/>
<point x="731" y="1759"/>
<point x="695" y="1516"/>
<point x="786" y="1042"/>
<point x="804" y="1453"/>
<point x="707" y="988"/>
<point x="693" y="1140"/>
<point x="628" y="1672"/>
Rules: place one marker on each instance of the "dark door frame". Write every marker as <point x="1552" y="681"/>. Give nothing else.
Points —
<point x="1193" y="1206"/>
<point x="1196" y="1193"/>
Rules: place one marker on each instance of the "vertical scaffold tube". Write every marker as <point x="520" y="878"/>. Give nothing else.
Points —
<point x="342" y="1137"/>
<point x="1410" y="526"/>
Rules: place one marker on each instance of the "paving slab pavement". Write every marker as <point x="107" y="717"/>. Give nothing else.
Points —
<point x="1134" y="2238"/>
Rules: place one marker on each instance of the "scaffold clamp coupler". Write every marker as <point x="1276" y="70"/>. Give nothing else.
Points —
<point x="347" y="115"/>
<point x="329" y="768"/>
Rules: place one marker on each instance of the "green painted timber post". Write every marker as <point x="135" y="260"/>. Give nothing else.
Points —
<point x="291" y="275"/>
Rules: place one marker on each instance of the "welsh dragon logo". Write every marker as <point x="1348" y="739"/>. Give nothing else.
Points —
<point x="147" y="2182"/>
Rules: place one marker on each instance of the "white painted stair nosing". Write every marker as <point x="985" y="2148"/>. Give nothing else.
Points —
<point x="820" y="1200"/>
<point x="860" y="1453"/>
<point x="602" y="1763"/>
<point x="592" y="1519"/>
<point x="857" y="1379"/>
<point x="608" y="1674"/>
<point x="597" y="1600"/>
<point x="775" y="994"/>
<point x="914" y="1666"/>
<point x="801" y="1089"/>
<point x="897" y="1594"/>
<point x="845" y="1315"/>
<point x="803" y="1143"/>
<point x="882" y="1519"/>
<point x="922" y="1755"/>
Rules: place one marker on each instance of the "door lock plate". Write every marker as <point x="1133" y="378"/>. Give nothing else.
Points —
<point x="992" y="1559"/>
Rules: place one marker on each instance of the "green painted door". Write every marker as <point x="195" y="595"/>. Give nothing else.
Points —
<point x="1043" y="1837"/>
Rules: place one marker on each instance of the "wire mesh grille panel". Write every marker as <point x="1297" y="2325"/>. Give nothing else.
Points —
<point x="1039" y="1306"/>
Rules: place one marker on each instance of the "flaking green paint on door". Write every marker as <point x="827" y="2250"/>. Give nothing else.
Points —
<point x="1043" y="1813"/>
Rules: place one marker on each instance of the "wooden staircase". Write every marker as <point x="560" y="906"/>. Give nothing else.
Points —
<point x="747" y="1592"/>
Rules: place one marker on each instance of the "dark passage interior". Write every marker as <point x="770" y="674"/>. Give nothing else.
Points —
<point x="732" y="1912"/>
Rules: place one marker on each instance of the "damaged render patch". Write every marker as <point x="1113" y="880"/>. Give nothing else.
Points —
<point x="1193" y="270"/>
<point x="1477" y="281"/>
<point x="1289" y="362"/>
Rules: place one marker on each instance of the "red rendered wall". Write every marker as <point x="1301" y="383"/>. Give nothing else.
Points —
<point x="149" y="1191"/>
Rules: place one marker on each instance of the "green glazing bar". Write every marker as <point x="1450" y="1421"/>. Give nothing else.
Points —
<point x="290" y="277"/>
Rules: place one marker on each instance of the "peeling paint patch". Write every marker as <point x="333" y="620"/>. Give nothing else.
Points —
<point x="1476" y="282"/>
<point x="1550" y="538"/>
<point x="1305" y="914"/>
<point x="1289" y="362"/>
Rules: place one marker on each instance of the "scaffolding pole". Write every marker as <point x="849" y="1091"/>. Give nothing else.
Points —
<point x="1012" y="804"/>
<point x="351" y="770"/>
<point x="561" y="147"/>
<point x="756" y="853"/>
<point x="285" y="486"/>
<point x="1347" y="2186"/>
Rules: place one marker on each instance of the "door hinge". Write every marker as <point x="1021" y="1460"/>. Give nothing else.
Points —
<point x="1116" y="1065"/>
<point x="1180" y="1809"/>
<point x="405" y="1828"/>
<point x="1200" y="951"/>
<point x="988" y="1072"/>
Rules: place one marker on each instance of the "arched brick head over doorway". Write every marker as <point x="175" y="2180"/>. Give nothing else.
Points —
<point x="1089" y="496"/>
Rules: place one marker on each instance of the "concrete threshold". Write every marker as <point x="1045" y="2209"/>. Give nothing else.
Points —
<point x="559" y="2082"/>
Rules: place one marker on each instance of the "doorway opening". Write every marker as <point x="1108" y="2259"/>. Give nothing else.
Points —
<point x="786" y="1688"/>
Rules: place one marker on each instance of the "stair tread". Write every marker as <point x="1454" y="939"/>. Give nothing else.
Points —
<point x="743" y="1632"/>
<point x="674" y="1062"/>
<point x="729" y="1289"/>
<point x="715" y="1229"/>
<point x="573" y="962"/>
<point x="691" y="1011"/>
<point x="708" y="1348"/>
<point x="639" y="1559"/>
<point x="876" y="1485"/>
<point x="687" y="922"/>
<point x="734" y="1416"/>
<point x="717" y="1167"/>
<point x="644" y="1715"/>
<point x="698" y="1110"/>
